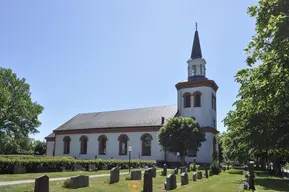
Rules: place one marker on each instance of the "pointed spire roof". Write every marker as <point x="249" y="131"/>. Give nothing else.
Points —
<point x="196" y="50"/>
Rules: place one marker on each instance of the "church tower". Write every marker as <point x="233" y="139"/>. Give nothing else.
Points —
<point x="197" y="98"/>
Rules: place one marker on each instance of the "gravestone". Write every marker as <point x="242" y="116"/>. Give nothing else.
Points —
<point x="42" y="184"/>
<point x="171" y="182"/>
<point x="136" y="175"/>
<point x="91" y="167"/>
<point x="183" y="169"/>
<point x="210" y="173"/>
<point x="153" y="171"/>
<point x="199" y="175"/>
<point x="189" y="167"/>
<point x="184" y="179"/>
<point x="17" y="170"/>
<point x="114" y="175"/>
<point x="206" y="173"/>
<point x="176" y="171"/>
<point x="251" y="175"/>
<point x="148" y="181"/>
<point x="195" y="176"/>
<point x="79" y="182"/>
<point x="77" y="167"/>
<point x="165" y="170"/>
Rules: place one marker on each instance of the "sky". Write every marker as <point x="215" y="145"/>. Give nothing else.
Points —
<point x="90" y="56"/>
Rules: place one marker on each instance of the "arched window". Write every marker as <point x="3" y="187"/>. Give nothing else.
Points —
<point x="146" y="141"/>
<point x="187" y="100"/>
<point x="122" y="139"/>
<point x="66" y="145"/>
<point x="102" y="144"/>
<point x="83" y="144"/>
<point x="197" y="99"/>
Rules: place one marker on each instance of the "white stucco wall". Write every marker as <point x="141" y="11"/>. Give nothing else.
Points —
<point x="49" y="148"/>
<point x="112" y="146"/>
<point x="204" y="114"/>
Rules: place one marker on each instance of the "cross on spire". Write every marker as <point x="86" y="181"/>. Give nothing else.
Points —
<point x="196" y="50"/>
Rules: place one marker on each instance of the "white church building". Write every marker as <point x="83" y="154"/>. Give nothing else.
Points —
<point x="109" y="134"/>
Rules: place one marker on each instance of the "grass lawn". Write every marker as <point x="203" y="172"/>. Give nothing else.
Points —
<point x="225" y="182"/>
<point x="29" y="176"/>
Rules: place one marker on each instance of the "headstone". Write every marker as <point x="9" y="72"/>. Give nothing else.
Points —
<point x="183" y="169"/>
<point x="136" y="175"/>
<point x="251" y="175"/>
<point x="210" y="173"/>
<point x="195" y="176"/>
<point x="148" y="181"/>
<point x="79" y="182"/>
<point x="165" y="170"/>
<point x="91" y="167"/>
<point x="171" y="182"/>
<point x="206" y="173"/>
<point x="184" y="179"/>
<point x="42" y="184"/>
<point x="153" y="171"/>
<point x="199" y="175"/>
<point x="17" y="170"/>
<point x="77" y="167"/>
<point x="176" y="171"/>
<point x="114" y="175"/>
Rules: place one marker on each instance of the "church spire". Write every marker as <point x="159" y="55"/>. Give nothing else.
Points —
<point x="196" y="50"/>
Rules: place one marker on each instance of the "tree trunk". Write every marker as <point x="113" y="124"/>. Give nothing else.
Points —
<point x="182" y="160"/>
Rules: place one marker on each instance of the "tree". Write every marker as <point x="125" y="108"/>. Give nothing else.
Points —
<point x="181" y="134"/>
<point x="18" y="114"/>
<point x="39" y="147"/>
<point x="260" y="122"/>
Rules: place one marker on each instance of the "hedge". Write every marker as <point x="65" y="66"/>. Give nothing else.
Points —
<point x="52" y="164"/>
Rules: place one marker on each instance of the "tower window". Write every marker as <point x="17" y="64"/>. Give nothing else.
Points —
<point x="197" y="99"/>
<point x="187" y="100"/>
<point x="194" y="70"/>
<point x="213" y="101"/>
<point x="201" y="69"/>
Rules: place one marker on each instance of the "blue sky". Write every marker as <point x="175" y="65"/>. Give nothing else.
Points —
<point x="93" y="55"/>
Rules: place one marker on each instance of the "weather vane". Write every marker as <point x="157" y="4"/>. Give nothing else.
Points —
<point x="196" y="26"/>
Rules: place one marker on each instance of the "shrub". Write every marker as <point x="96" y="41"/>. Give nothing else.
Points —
<point x="215" y="167"/>
<point x="35" y="163"/>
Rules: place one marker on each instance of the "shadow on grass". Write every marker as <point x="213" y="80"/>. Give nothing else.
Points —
<point x="238" y="172"/>
<point x="273" y="184"/>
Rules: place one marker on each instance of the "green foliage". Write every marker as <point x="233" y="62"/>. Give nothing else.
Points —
<point x="39" y="147"/>
<point x="18" y="113"/>
<point x="181" y="134"/>
<point x="7" y="162"/>
<point x="258" y="127"/>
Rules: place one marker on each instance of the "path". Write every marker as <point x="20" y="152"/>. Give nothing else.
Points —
<point x="56" y="179"/>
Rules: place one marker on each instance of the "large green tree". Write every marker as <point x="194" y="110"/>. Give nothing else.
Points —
<point x="260" y="122"/>
<point x="39" y="147"/>
<point x="18" y="113"/>
<point x="180" y="135"/>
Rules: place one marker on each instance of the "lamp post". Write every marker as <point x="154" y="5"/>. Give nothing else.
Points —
<point x="129" y="155"/>
<point x="194" y="164"/>
<point x="178" y="154"/>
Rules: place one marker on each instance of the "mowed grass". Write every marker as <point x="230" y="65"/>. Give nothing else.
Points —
<point x="229" y="181"/>
<point x="29" y="176"/>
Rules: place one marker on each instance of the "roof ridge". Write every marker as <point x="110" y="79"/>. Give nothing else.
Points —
<point x="127" y="109"/>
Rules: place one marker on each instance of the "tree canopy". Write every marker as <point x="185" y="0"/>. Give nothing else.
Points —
<point x="180" y="135"/>
<point x="258" y="127"/>
<point x="18" y="113"/>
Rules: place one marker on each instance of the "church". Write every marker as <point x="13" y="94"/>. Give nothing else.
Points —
<point x="111" y="134"/>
